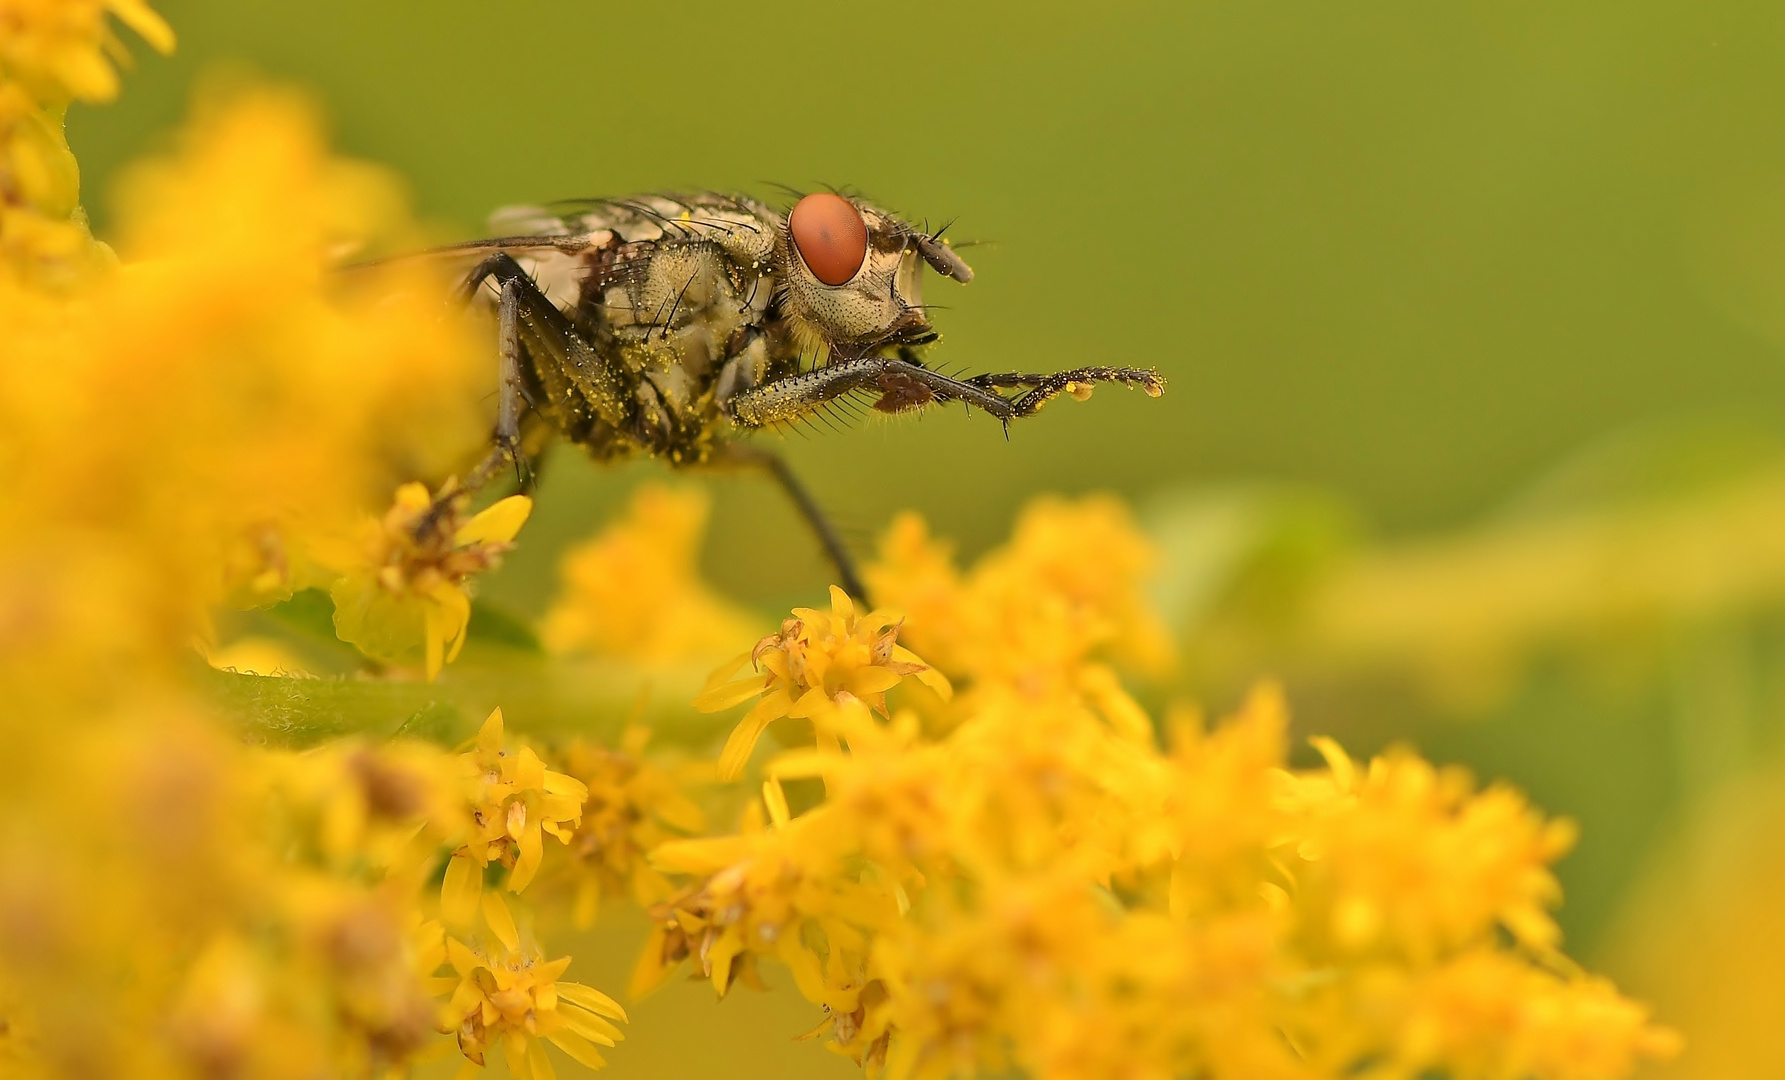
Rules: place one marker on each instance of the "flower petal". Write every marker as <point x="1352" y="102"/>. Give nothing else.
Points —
<point x="591" y="999"/>
<point x="743" y="738"/>
<point x="501" y="922"/>
<point x="497" y="523"/>
<point x="873" y="680"/>
<point x="459" y="891"/>
<point x="725" y="695"/>
<point x="532" y="853"/>
<point x="578" y="1048"/>
<point x="538" y="1065"/>
<point x="489" y="737"/>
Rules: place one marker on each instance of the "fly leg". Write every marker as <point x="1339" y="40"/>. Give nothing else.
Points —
<point x="788" y="399"/>
<point x="510" y="394"/>
<point x="776" y="466"/>
<point x="904" y="384"/>
<point x="1077" y="382"/>
<point x="540" y="353"/>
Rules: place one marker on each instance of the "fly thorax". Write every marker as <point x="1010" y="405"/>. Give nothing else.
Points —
<point x="679" y="283"/>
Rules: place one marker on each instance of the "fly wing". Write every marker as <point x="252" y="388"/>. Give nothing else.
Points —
<point x="559" y="264"/>
<point x="573" y="249"/>
<point x="579" y="248"/>
<point x="744" y="227"/>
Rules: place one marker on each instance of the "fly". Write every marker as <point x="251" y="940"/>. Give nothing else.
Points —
<point x="670" y="325"/>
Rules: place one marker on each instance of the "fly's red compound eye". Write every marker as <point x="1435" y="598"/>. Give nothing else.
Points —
<point x="830" y="236"/>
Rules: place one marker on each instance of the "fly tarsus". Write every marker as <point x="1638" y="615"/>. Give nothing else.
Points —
<point x="1079" y="382"/>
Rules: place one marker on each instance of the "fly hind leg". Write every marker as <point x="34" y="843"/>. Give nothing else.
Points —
<point x="538" y="351"/>
<point x="531" y="334"/>
<point x="516" y="290"/>
<point x="511" y="394"/>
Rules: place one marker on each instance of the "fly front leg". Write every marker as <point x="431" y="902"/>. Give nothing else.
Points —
<point x="1077" y="382"/>
<point x="902" y="385"/>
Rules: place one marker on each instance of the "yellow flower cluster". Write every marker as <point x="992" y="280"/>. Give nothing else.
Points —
<point x="1041" y="886"/>
<point x="635" y="804"/>
<point x="1064" y="591"/>
<point x="1015" y="875"/>
<point x="634" y="591"/>
<point x="215" y="420"/>
<point x="53" y="52"/>
<point x="220" y="413"/>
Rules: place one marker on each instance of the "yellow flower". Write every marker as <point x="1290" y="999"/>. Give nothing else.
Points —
<point x="633" y="806"/>
<point x="1219" y="811"/>
<point x="412" y="589"/>
<point x="816" y="660"/>
<point x="368" y="965"/>
<point x="515" y="999"/>
<point x="51" y="52"/>
<point x="1486" y="1013"/>
<point x="634" y="591"/>
<point x="223" y="401"/>
<point x="768" y="891"/>
<point x="891" y="789"/>
<point x="958" y="985"/>
<point x="514" y="799"/>
<point x="1028" y="615"/>
<point x="1406" y="856"/>
<point x="364" y="808"/>
<point x="64" y="49"/>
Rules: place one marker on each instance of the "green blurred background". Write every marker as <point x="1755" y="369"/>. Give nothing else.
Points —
<point x="1420" y="275"/>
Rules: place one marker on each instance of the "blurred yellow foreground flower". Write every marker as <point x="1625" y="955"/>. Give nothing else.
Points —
<point x="984" y="859"/>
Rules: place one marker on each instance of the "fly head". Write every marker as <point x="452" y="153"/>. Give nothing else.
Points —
<point x="852" y="275"/>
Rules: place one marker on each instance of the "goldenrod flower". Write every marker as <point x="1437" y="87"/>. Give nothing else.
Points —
<point x="221" y="404"/>
<point x="411" y="590"/>
<point x="514" y="799"/>
<point x="769" y="891"/>
<point x="515" y="999"/>
<point x="1406" y="856"/>
<point x="1030" y="883"/>
<point x="64" y="49"/>
<point x="634" y="590"/>
<point x="633" y="806"/>
<point x="1487" y="1013"/>
<point x="367" y="809"/>
<point x="1030" y="614"/>
<point x="890" y="789"/>
<point x="818" y="659"/>
<point x="52" y="52"/>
